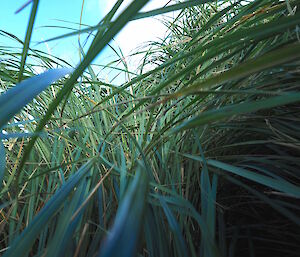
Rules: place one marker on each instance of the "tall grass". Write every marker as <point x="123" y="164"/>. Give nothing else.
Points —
<point x="196" y="154"/>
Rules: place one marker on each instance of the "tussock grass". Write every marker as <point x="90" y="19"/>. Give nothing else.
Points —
<point x="195" y="154"/>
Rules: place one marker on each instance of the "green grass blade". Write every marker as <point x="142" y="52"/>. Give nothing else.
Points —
<point x="123" y="238"/>
<point x="171" y="8"/>
<point x="280" y="185"/>
<point x="279" y="56"/>
<point x="174" y="227"/>
<point x="66" y="226"/>
<point x="23" y="243"/>
<point x="91" y="54"/>
<point x="27" y="38"/>
<point x="237" y="109"/>
<point x="2" y="162"/>
<point x="284" y="211"/>
<point x="138" y="16"/>
<point x="123" y="174"/>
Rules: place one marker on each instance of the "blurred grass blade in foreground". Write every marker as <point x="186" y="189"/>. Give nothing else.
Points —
<point x="17" y="97"/>
<point x="123" y="238"/>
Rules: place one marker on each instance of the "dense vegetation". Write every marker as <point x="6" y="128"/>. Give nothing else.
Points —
<point x="196" y="154"/>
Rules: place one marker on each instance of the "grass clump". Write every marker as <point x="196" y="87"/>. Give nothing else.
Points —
<point x="195" y="154"/>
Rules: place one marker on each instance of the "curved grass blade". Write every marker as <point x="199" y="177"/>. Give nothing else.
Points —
<point x="17" y="97"/>
<point x="185" y="207"/>
<point x="123" y="237"/>
<point x="279" y="56"/>
<point x="171" y="8"/>
<point x="141" y="15"/>
<point x="61" y="242"/>
<point x="237" y="109"/>
<point x="23" y="243"/>
<point x="284" y="211"/>
<point x="174" y="227"/>
<point x="99" y="45"/>
<point x="123" y="178"/>
<point x="261" y="31"/>
<point x="277" y="184"/>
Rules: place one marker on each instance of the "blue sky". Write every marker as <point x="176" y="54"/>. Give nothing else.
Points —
<point x="51" y="12"/>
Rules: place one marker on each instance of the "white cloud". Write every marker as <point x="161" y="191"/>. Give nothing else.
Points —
<point x="138" y="32"/>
